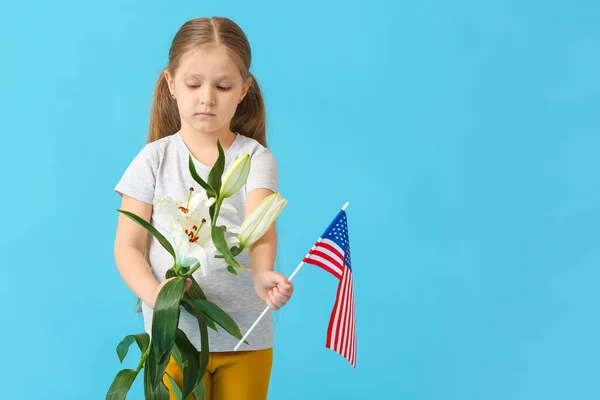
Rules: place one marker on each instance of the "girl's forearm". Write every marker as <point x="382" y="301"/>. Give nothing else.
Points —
<point x="262" y="252"/>
<point x="136" y="273"/>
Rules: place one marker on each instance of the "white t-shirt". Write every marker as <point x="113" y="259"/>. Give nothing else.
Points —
<point x="161" y="169"/>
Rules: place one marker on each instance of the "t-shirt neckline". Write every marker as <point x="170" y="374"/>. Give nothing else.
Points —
<point x="196" y="161"/>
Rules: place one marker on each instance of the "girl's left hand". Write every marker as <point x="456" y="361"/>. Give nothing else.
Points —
<point x="274" y="288"/>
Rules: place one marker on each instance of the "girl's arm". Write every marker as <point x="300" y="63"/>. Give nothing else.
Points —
<point x="271" y="286"/>
<point x="129" y="248"/>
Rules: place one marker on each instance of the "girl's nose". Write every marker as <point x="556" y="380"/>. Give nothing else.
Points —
<point x="207" y="97"/>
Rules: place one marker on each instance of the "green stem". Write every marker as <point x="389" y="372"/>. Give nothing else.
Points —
<point x="217" y="210"/>
<point x="143" y="360"/>
<point x="176" y="268"/>
<point x="194" y="268"/>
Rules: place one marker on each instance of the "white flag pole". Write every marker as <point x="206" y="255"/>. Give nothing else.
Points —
<point x="267" y="308"/>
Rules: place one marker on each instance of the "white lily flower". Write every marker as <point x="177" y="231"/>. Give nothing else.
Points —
<point x="260" y="219"/>
<point x="190" y="227"/>
<point x="235" y="176"/>
<point x="193" y="217"/>
<point x="190" y="253"/>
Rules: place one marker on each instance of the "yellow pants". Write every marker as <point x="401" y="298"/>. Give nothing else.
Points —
<point x="234" y="375"/>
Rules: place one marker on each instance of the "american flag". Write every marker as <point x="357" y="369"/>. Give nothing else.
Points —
<point x="332" y="253"/>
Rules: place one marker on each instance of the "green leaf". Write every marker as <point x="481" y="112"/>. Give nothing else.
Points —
<point x="121" y="385"/>
<point x="231" y="269"/>
<point x="193" y="293"/>
<point x="159" y="236"/>
<point x="199" y="393"/>
<point x="209" y="322"/>
<point x="151" y="376"/>
<point x="175" y="387"/>
<point x="218" y="237"/>
<point x="154" y="371"/>
<point x="123" y="347"/>
<point x="189" y="362"/>
<point x="203" y="346"/>
<point x="216" y="172"/>
<point x="166" y="316"/>
<point x="142" y="339"/>
<point x="170" y="273"/>
<point x="235" y="250"/>
<point x="211" y="212"/>
<point x="217" y="314"/>
<point x="176" y="355"/>
<point x="196" y="311"/>
<point x="209" y="191"/>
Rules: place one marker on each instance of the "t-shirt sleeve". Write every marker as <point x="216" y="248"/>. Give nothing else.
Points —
<point x="139" y="179"/>
<point x="263" y="171"/>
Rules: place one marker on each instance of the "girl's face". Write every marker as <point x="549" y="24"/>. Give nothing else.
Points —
<point x="208" y="88"/>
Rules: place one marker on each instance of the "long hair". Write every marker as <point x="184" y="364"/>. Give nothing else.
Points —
<point x="250" y="116"/>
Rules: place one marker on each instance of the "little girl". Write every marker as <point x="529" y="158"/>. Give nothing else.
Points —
<point x="206" y="93"/>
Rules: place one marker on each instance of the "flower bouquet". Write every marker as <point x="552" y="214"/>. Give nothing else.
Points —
<point x="195" y="240"/>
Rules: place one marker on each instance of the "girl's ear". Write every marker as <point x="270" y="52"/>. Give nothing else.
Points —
<point x="246" y="87"/>
<point x="170" y="81"/>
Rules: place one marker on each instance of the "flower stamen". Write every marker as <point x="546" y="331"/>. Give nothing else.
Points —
<point x="183" y="209"/>
<point x="197" y="229"/>
<point x="187" y="206"/>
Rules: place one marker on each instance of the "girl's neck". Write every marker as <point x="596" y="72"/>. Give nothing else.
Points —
<point x="203" y="145"/>
<point x="207" y="141"/>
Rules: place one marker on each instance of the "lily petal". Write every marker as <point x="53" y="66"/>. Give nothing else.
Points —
<point x="181" y="244"/>
<point x="188" y="262"/>
<point x="232" y="241"/>
<point x="198" y="201"/>
<point x="234" y="229"/>
<point x="200" y="254"/>
<point x="167" y="205"/>
<point x="227" y="209"/>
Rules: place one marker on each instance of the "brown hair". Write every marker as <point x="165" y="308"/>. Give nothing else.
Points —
<point x="250" y="116"/>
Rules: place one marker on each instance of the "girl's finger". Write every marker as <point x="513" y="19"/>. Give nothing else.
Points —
<point x="286" y="289"/>
<point x="271" y="305"/>
<point x="275" y="300"/>
<point x="281" y="298"/>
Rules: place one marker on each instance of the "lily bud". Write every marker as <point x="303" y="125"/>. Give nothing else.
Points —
<point x="256" y="224"/>
<point x="236" y="176"/>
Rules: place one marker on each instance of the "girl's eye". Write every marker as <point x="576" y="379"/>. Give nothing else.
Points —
<point x="223" y="88"/>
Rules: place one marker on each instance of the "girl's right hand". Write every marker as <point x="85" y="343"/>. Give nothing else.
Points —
<point x="156" y="291"/>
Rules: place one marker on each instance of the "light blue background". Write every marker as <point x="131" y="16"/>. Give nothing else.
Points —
<point x="465" y="135"/>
